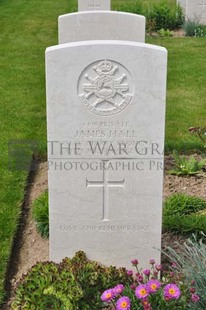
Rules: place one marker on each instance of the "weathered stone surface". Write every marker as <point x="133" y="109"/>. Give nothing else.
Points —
<point x="195" y="10"/>
<point x="93" y="5"/>
<point x="106" y="114"/>
<point x="101" y="26"/>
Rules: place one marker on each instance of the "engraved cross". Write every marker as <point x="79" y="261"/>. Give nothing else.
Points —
<point x="105" y="184"/>
<point x="203" y="5"/>
<point x="94" y="4"/>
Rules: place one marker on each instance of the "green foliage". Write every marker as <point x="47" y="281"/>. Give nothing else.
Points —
<point x="165" y="33"/>
<point x="194" y="29"/>
<point x="41" y="214"/>
<point x="184" y="214"/>
<point x="181" y="204"/>
<point x="187" y="166"/>
<point x="73" y="284"/>
<point x="135" y="7"/>
<point x="166" y="17"/>
<point x="200" y="32"/>
<point x="158" y="15"/>
<point x="47" y="286"/>
<point x="191" y="261"/>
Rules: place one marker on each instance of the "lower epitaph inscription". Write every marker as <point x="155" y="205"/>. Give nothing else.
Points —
<point x="104" y="228"/>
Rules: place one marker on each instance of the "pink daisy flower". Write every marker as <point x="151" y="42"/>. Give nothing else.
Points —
<point x="153" y="285"/>
<point x="123" y="303"/>
<point x="141" y="291"/>
<point x="107" y="295"/>
<point x="171" y="291"/>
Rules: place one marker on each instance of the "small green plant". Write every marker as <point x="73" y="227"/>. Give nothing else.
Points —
<point x="147" y="290"/>
<point x="73" y="284"/>
<point x="184" y="214"/>
<point x="41" y="214"/>
<point x="194" y="29"/>
<point x="191" y="261"/>
<point x="186" y="166"/>
<point x="200" y="132"/>
<point x="200" y="32"/>
<point x="165" y="33"/>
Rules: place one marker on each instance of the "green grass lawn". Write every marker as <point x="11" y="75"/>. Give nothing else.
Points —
<point x="186" y="103"/>
<point x="26" y="29"/>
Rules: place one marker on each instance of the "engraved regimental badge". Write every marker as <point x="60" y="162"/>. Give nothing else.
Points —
<point x="105" y="87"/>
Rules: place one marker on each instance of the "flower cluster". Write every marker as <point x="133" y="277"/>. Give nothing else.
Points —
<point x="147" y="290"/>
<point x="109" y="295"/>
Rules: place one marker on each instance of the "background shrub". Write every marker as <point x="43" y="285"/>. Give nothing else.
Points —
<point x="184" y="214"/>
<point x="75" y="283"/>
<point x="158" y="16"/>
<point x="166" y="17"/>
<point x="135" y="7"/>
<point x="41" y="214"/>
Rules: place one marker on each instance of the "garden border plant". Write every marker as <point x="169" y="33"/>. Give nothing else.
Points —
<point x="72" y="284"/>
<point x="79" y="283"/>
<point x="40" y="214"/>
<point x="187" y="165"/>
<point x="184" y="214"/>
<point x="191" y="261"/>
<point x="148" y="290"/>
<point x="193" y="28"/>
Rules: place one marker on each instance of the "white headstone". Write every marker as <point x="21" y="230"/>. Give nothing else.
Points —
<point x="106" y="115"/>
<point x="101" y="25"/>
<point x="93" y="5"/>
<point x="195" y="10"/>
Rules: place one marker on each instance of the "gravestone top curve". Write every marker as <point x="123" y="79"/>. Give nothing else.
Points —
<point x="101" y="25"/>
